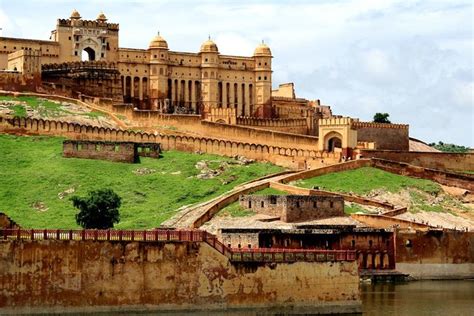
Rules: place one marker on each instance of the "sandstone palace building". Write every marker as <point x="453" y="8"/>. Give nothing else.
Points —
<point x="225" y="89"/>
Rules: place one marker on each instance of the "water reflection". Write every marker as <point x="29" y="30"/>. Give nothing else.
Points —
<point x="419" y="298"/>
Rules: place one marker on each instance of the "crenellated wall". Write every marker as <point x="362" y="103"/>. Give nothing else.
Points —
<point x="291" y="157"/>
<point x="385" y="136"/>
<point x="295" y="125"/>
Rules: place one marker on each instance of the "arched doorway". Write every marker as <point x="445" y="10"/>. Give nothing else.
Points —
<point x="334" y="142"/>
<point x="88" y="54"/>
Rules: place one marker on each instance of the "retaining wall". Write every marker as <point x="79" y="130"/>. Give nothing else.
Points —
<point x="436" y="254"/>
<point x="89" y="276"/>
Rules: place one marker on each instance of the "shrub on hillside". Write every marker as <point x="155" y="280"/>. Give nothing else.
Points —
<point x="100" y="209"/>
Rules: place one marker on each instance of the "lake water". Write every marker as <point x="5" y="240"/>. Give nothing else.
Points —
<point x="419" y="298"/>
<point x="433" y="298"/>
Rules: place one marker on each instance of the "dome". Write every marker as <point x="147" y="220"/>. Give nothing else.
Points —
<point x="75" y="14"/>
<point x="209" y="47"/>
<point x="158" y="42"/>
<point x="262" y="50"/>
<point x="101" y="17"/>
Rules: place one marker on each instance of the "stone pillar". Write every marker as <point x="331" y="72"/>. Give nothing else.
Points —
<point x="231" y="94"/>
<point x="173" y="92"/>
<point x="186" y="94"/>
<point x="224" y="95"/>
<point x="178" y="92"/>
<point x="239" y="99"/>
<point x="247" y="100"/>
<point x="140" y="88"/>
<point x="132" y="87"/>
<point x="193" y="95"/>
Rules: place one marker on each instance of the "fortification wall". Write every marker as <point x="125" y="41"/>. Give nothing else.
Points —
<point x="19" y="82"/>
<point x="295" y="126"/>
<point x="385" y="136"/>
<point x="290" y="157"/>
<point x="464" y="181"/>
<point x="89" y="276"/>
<point x="349" y="165"/>
<point x="436" y="254"/>
<point x="433" y="160"/>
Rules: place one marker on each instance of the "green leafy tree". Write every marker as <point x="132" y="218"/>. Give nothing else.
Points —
<point x="100" y="209"/>
<point x="381" y="118"/>
<point x="449" y="148"/>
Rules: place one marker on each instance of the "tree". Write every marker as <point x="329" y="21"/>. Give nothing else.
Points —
<point x="450" y="148"/>
<point x="381" y="118"/>
<point x="100" y="209"/>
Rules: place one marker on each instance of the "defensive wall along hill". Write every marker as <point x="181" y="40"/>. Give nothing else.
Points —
<point x="292" y="157"/>
<point x="85" y="271"/>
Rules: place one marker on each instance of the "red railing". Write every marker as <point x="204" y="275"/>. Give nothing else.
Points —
<point x="235" y="255"/>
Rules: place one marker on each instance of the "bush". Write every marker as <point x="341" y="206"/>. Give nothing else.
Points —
<point x="381" y="118"/>
<point x="100" y="209"/>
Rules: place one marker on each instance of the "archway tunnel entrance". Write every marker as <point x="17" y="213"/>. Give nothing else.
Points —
<point x="334" y="142"/>
<point x="88" y="54"/>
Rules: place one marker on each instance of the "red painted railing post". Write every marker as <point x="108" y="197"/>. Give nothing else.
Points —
<point x="83" y="234"/>
<point x="179" y="235"/>
<point x="70" y="234"/>
<point x="133" y="235"/>
<point x="57" y="234"/>
<point x="32" y="234"/>
<point x="167" y="235"/>
<point x="120" y="235"/>
<point x="18" y="234"/>
<point x="108" y="234"/>
<point x="96" y="233"/>
<point x="45" y="234"/>
<point x="156" y="235"/>
<point x="144" y="235"/>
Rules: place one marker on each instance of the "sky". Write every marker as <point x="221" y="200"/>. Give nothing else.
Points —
<point x="411" y="59"/>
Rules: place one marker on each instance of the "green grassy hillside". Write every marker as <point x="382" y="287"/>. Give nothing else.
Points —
<point x="363" y="180"/>
<point x="36" y="183"/>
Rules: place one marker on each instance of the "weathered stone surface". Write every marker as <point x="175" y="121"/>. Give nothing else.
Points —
<point x="87" y="275"/>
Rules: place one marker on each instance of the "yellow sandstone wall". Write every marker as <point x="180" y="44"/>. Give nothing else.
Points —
<point x="83" y="276"/>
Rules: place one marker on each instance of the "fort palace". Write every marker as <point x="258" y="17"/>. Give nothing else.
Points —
<point x="83" y="59"/>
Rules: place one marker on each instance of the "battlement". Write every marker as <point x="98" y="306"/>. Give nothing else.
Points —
<point x="88" y="23"/>
<point x="79" y="65"/>
<point x="337" y="121"/>
<point x="357" y="124"/>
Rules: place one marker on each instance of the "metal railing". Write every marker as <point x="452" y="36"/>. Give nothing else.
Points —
<point x="235" y="255"/>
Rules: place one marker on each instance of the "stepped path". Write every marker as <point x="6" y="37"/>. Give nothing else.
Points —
<point x="195" y="215"/>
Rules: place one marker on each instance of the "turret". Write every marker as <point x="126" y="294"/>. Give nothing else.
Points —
<point x="263" y="79"/>
<point x="209" y="64"/>
<point x="158" y="49"/>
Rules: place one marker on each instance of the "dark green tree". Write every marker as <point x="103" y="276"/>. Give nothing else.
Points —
<point x="100" y="209"/>
<point x="450" y="148"/>
<point x="381" y="118"/>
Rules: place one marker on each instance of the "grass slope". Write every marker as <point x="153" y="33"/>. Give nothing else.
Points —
<point x="45" y="108"/>
<point x="33" y="173"/>
<point x="363" y="180"/>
